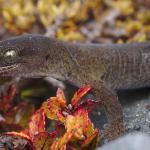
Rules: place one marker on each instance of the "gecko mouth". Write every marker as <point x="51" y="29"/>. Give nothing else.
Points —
<point x="8" y="68"/>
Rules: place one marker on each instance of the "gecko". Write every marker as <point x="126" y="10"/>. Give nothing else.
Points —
<point x="106" y="67"/>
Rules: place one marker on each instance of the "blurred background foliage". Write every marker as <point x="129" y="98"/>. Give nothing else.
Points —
<point x="100" y="21"/>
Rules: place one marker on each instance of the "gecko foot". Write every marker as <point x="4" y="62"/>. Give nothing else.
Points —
<point x="113" y="130"/>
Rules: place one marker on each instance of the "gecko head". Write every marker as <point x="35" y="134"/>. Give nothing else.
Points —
<point x="21" y="56"/>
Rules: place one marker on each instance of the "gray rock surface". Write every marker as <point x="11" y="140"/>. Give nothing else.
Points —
<point x="135" y="141"/>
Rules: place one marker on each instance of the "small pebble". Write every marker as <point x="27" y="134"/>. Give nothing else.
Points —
<point x="137" y="127"/>
<point x="65" y="113"/>
<point x="70" y="107"/>
<point x="98" y="113"/>
<point x="148" y="107"/>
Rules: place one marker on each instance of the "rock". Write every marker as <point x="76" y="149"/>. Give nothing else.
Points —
<point x="136" y="141"/>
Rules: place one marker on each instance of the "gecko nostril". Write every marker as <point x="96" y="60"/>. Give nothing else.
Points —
<point x="47" y="57"/>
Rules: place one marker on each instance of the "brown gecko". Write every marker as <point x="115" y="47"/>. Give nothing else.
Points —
<point x="105" y="67"/>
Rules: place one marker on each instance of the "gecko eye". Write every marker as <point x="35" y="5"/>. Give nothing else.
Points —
<point x="10" y="53"/>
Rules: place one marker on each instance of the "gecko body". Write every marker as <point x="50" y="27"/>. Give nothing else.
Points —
<point x="104" y="67"/>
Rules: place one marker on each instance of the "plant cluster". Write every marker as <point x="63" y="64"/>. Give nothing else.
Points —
<point x="23" y="127"/>
<point x="79" y="20"/>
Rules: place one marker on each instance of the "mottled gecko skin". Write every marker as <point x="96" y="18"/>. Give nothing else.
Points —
<point x="105" y="67"/>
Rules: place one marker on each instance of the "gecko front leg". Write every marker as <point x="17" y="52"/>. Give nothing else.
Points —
<point x="112" y="108"/>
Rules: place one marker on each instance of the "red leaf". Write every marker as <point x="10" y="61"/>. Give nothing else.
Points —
<point x="7" y="127"/>
<point x="89" y="130"/>
<point x="6" y="100"/>
<point x="92" y="141"/>
<point x="20" y="114"/>
<point x="78" y="119"/>
<point x="44" y="140"/>
<point x="37" y="123"/>
<point x="79" y="94"/>
<point x="61" y="143"/>
<point x="54" y="107"/>
<point x="88" y="105"/>
<point x="59" y="128"/>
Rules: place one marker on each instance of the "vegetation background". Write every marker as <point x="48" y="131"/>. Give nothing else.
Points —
<point x="102" y="21"/>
